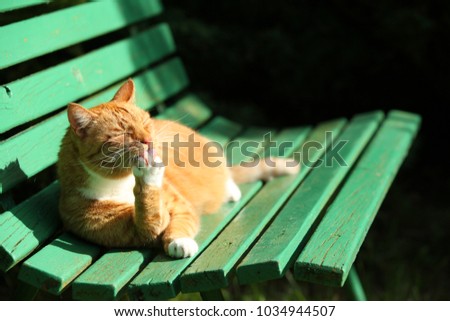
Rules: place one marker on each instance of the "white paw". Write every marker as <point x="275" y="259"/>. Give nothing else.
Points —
<point x="233" y="191"/>
<point x="151" y="174"/>
<point x="182" y="247"/>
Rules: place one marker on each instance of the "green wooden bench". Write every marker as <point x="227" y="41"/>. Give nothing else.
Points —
<point x="312" y="224"/>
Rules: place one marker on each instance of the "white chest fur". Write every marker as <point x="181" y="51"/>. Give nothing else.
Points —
<point x="105" y="189"/>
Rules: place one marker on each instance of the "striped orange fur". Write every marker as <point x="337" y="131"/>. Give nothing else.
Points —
<point x="114" y="194"/>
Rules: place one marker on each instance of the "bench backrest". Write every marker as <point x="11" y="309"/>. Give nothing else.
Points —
<point x="125" y="41"/>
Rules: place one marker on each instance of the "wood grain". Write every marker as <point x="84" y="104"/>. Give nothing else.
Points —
<point x="37" y="36"/>
<point x="329" y="255"/>
<point x="57" y="264"/>
<point x="26" y="226"/>
<point x="104" y="279"/>
<point x="43" y="92"/>
<point x="270" y="256"/>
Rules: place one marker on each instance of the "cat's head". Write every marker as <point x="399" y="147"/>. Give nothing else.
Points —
<point x="110" y="137"/>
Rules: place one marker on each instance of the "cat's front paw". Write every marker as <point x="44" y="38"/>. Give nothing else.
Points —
<point x="150" y="173"/>
<point x="182" y="247"/>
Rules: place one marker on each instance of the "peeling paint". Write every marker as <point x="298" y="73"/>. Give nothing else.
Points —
<point x="78" y="75"/>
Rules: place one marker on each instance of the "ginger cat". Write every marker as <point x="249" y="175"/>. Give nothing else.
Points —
<point x="121" y="188"/>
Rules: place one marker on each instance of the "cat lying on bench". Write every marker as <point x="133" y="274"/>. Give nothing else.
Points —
<point x="126" y="181"/>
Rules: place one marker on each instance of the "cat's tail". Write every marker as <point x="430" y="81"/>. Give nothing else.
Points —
<point x="265" y="169"/>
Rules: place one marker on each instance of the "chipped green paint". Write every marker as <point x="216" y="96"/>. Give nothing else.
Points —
<point x="106" y="277"/>
<point x="26" y="226"/>
<point x="57" y="264"/>
<point x="50" y="32"/>
<point x="271" y="255"/>
<point x="329" y="255"/>
<point x="52" y="88"/>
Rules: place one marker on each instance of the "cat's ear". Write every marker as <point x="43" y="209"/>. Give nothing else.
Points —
<point x="126" y="92"/>
<point x="79" y="118"/>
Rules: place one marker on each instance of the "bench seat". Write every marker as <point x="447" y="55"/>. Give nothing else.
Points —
<point x="312" y="224"/>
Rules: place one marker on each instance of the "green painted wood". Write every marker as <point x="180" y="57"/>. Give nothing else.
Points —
<point x="47" y="33"/>
<point x="331" y="251"/>
<point x="220" y="130"/>
<point x="210" y="271"/>
<point x="160" y="278"/>
<point x="107" y="276"/>
<point x="271" y="255"/>
<point x="28" y="225"/>
<point x="43" y="92"/>
<point x="36" y="148"/>
<point x="8" y="5"/>
<point x="248" y="145"/>
<point x="152" y="86"/>
<point x="57" y="264"/>
<point x="189" y="111"/>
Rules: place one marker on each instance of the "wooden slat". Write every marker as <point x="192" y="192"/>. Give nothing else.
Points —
<point x="49" y="90"/>
<point x="220" y="130"/>
<point x="331" y="251"/>
<point x="32" y="150"/>
<point x="8" y="5"/>
<point x="27" y="225"/>
<point x="152" y="86"/>
<point x="189" y="111"/>
<point x="249" y="142"/>
<point x="47" y="33"/>
<point x="104" y="279"/>
<point x="57" y="264"/>
<point x="54" y="277"/>
<point x="210" y="271"/>
<point x="270" y="256"/>
<point x="160" y="279"/>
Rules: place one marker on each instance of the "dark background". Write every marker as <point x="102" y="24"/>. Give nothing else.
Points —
<point x="302" y="62"/>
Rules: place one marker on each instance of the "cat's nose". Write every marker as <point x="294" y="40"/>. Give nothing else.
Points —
<point x="145" y="141"/>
